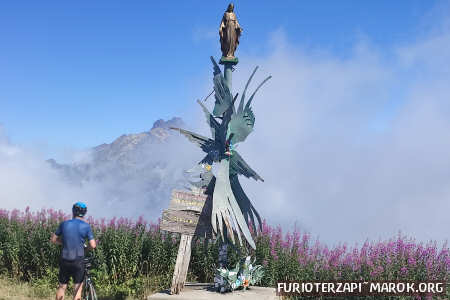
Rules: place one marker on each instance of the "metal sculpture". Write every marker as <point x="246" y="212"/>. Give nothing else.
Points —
<point x="232" y="210"/>
<point x="244" y="274"/>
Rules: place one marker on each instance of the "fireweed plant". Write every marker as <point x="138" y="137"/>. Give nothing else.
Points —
<point x="135" y="257"/>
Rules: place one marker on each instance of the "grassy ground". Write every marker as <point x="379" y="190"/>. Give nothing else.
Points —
<point x="14" y="290"/>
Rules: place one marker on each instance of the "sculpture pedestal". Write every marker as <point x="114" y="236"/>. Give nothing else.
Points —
<point x="207" y="293"/>
<point x="228" y="63"/>
<point x="228" y="60"/>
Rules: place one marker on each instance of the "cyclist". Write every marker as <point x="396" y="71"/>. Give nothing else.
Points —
<point x="72" y="234"/>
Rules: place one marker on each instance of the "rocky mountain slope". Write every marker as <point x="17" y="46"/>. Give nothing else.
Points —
<point x="136" y="172"/>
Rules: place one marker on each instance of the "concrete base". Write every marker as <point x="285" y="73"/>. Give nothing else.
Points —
<point x="205" y="293"/>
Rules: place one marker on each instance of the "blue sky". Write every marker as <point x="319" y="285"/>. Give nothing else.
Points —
<point x="358" y="99"/>
<point x="80" y="73"/>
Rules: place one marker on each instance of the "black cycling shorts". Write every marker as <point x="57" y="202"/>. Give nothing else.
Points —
<point x="71" y="268"/>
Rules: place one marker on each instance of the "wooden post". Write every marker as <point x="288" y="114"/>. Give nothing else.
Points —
<point x="189" y="213"/>
<point x="182" y="264"/>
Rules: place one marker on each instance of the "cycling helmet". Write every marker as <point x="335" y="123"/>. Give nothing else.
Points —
<point x="79" y="209"/>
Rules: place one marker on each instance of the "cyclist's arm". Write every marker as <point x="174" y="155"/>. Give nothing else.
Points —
<point x="90" y="237"/>
<point x="92" y="244"/>
<point x="55" y="239"/>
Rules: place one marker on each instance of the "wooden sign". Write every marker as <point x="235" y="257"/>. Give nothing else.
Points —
<point x="184" y="200"/>
<point x="185" y="222"/>
<point x="189" y="213"/>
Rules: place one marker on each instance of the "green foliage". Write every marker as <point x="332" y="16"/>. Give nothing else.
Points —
<point x="135" y="258"/>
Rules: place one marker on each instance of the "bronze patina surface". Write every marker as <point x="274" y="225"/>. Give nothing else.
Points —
<point x="229" y="32"/>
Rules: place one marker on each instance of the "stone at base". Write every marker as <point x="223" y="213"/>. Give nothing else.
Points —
<point x="202" y="293"/>
<point x="229" y="60"/>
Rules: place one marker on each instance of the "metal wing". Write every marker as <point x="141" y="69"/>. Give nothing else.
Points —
<point x="205" y="177"/>
<point x="205" y="143"/>
<point x="240" y="167"/>
<point x="243" y="121"/>
<point x="226" y="210"/>
<point x="210" y="120"/>
<point x="222" y="93"/>
<point x="199" y="172"/>
<point x="247" y="208"/>
<point x="241" y="125"/>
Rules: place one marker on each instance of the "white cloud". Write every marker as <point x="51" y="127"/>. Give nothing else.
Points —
<point x="26" y="179"/>
<point x="315" y="145"/>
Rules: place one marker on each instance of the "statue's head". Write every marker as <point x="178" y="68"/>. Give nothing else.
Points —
<point x="230" y="7"/>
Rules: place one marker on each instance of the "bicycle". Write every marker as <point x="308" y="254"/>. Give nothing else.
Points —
<point x="88" y="285"/>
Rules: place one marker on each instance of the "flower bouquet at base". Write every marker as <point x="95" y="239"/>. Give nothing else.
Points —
<point x="244" y="274"/>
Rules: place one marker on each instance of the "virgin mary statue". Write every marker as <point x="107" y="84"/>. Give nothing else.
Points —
<point x="229" y="31"/>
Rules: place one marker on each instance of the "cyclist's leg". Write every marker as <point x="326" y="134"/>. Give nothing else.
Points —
<point x="77" y="288"/>
<point x="60" y="292"/>
<point x="63" y="278"/>
<point x="78" y="277"/>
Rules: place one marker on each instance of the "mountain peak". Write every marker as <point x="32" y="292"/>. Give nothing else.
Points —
<point x="174" y="122"/>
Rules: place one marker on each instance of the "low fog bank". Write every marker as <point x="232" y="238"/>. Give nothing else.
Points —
<point x="133" y="181"/>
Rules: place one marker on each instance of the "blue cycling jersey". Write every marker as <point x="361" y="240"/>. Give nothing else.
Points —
<point x="74" y="234"/>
